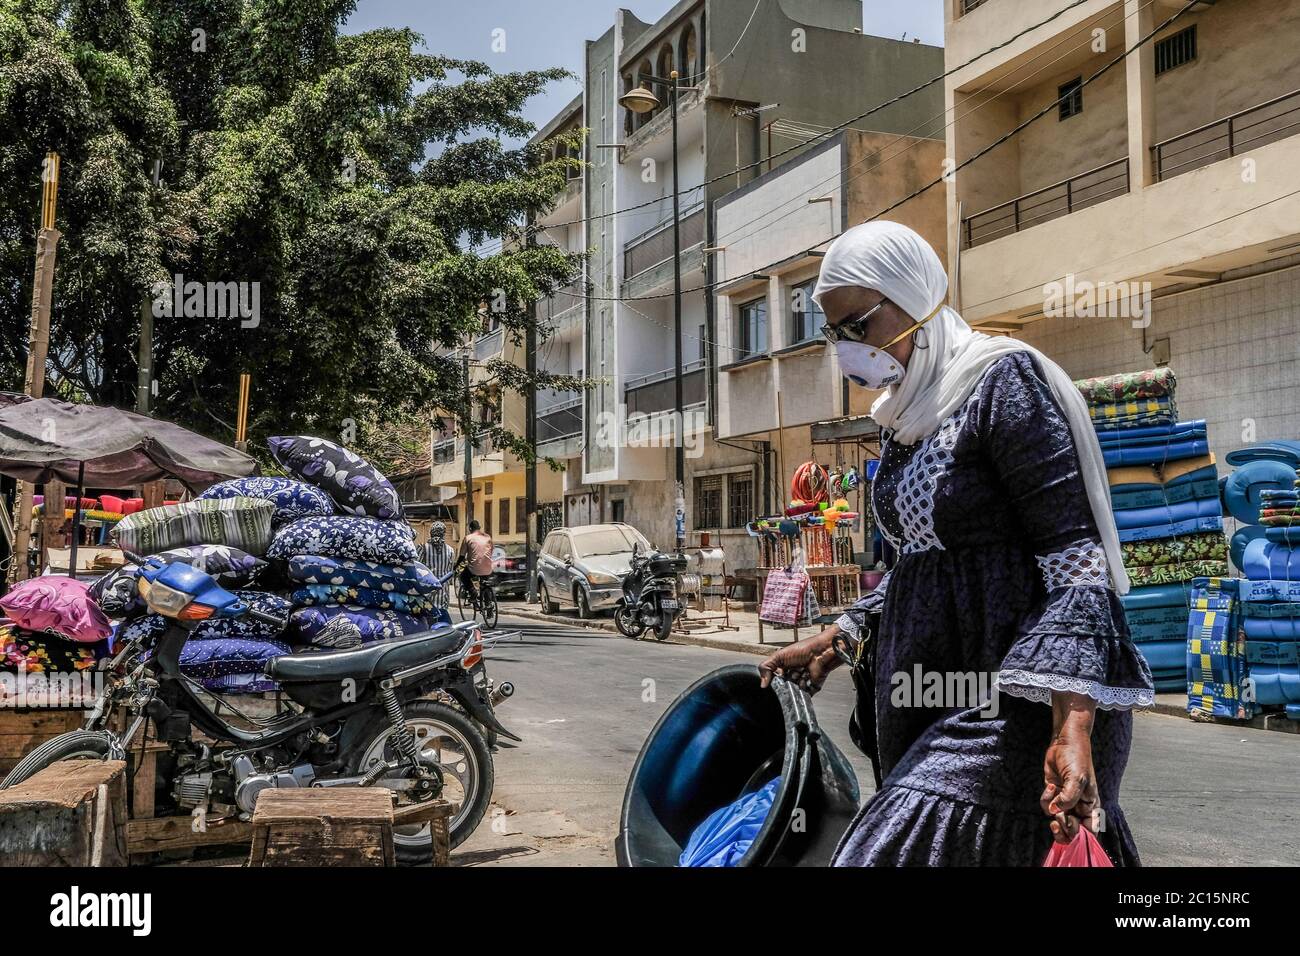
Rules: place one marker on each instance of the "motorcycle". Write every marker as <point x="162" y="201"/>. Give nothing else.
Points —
<point x="650" y="600"/>
<point x="355" y="717"/>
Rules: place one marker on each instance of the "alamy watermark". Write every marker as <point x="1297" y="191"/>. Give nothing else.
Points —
<point x="208" y="300"/>
<point x="651" y="430"/>
<point x="1084" y="299"/>
<point x="58" y="689"/>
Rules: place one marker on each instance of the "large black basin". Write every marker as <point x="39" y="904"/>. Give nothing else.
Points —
<point x="726" y="736"/>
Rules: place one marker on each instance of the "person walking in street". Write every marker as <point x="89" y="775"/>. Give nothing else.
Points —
<point x="439" y="558"/>
<point x="992" y="488"/>
<point x="476" y="554"/>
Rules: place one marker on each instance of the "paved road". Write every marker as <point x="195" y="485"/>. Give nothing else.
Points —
<point x="1194" y="794"/>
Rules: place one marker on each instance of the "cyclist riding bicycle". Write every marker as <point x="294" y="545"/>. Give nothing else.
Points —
<point x="474" y="559"/>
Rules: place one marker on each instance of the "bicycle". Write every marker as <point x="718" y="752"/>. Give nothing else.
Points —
<point x="477" y="602"/>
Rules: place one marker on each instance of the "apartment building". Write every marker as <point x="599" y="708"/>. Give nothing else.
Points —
<point x="755" y="80"/>
<point x="781" y="399"/>
<point x="1170" y="178"/>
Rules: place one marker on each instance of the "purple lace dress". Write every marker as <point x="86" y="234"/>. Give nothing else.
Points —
<point x="1000" y="572"/>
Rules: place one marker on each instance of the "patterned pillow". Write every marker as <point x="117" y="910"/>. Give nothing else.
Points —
<point x="292" y="499"/>
<point x="152" y="625"/>
<point x="59" y="604"/>
<point x="314" y="594"/>
<point x="232" y="568"/>
<point x="27" y="652"/>
<point x="221" y="657"/>
<point x="243" y="523"/>
<point x="411" y="578"/>
<point x="373" y="623"/>
<point x="365" y="539"/>
<point x="357" y="486"/>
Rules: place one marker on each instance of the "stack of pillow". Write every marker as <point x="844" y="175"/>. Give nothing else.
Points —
<point x="225" y="533"/>
<point x="361" y="564"/>
<point x="1263" y="494"/>
<point x="52" y="630"/>
<point x="1165" y="496"/>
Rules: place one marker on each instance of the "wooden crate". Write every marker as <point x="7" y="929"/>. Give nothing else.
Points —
<point x="68" y="814"/>
<point x="338" y="826"/>
<point x="22" y="731"/>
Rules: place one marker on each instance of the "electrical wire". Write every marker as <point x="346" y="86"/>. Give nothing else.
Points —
<point x="959" y="166"/>
<point x="535" y="227"/>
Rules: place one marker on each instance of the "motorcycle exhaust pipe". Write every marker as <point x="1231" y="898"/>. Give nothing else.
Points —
<point x="502" y="691"/>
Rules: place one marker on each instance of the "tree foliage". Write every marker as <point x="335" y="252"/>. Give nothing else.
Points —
<point x="349" y="176"/>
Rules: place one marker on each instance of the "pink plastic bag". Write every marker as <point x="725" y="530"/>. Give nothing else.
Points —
<point x="1083" y="850"/>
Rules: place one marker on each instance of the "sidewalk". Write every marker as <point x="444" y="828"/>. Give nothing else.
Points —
<point x="745" y="640"/>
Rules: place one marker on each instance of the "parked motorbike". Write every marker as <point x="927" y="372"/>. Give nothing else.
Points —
<point x="355" y="717"/>
<point x="650" y="600"/>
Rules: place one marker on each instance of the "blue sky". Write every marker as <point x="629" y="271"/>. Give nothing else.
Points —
<point x="546" y="33"/>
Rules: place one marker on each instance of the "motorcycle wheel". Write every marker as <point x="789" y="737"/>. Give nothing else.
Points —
<point x="626" y="621"/>
<point x="74" y="745"/>
<point x="460" y="752"/>
<point x="665" y="626"/>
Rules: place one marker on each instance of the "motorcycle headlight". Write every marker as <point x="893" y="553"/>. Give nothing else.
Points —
<point x="167" y="601"/>
<point x="595" y="577"/>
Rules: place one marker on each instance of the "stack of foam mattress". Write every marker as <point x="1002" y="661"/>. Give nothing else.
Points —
<point x="1263" y="494"/>
<point x="1165" y="495"/>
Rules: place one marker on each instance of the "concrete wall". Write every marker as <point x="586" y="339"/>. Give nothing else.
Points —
<point x="1232" y="346"/>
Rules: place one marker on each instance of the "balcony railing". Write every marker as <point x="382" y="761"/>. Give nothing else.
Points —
<point x="444" y="451"/>
<point x="657" y="392"/>
<point x="489" y="346"/>
<point x="655" y="245"/>
<point x="968" y="5"/>
<point x="559" y="421"/>
<point x="1051" y="202"/>
<point x="1257" y="126"/>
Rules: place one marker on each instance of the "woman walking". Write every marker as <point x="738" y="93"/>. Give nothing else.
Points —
<point x="992" y="489"/>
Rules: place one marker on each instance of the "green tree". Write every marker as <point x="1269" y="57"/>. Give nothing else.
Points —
<point x="348" y="176"/>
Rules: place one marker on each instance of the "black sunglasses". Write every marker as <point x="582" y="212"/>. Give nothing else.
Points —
<point x="854" y="329"/>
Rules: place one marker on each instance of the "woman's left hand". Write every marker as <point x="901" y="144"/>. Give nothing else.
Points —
<point x="1070" y="795"/>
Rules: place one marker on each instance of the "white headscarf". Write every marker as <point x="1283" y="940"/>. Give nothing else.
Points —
<point x="896" y="262"/>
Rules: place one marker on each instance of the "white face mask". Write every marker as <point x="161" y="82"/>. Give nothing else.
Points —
<point x="867" y="365"/>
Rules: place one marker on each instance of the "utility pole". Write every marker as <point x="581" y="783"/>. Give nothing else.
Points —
<point x="530" y="436"/>
<point x="38" y="346"/>
<point x="469" y="442"/>
<point x="680" y="444"/>
<point x="144" y="354"/>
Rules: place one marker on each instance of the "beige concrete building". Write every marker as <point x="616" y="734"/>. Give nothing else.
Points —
<point x="1169" y="180"/>
<point x="777" y="375"/>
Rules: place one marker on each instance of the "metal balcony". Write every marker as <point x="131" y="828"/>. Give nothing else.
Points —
<point x="656" y="392"/>
<point x="1043" y="205"/>
<point x="655" y="245"/>
<point x="1257" y="126"/>
<point x="560" y="420"/>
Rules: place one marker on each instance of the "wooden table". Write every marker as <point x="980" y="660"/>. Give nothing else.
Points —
<point x="845" y="581"/>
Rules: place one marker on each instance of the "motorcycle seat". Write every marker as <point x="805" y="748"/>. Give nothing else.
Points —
<point x="366" y="663"/>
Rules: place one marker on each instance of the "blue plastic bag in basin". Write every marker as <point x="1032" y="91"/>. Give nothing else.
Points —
<point x="725" y="837"/>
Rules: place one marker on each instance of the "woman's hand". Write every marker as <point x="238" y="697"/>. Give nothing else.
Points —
<point x="1070" y="796"/>
<point x="805" y="662"/>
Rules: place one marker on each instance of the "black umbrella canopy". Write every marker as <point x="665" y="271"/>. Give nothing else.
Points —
<point x="48" y="439"/>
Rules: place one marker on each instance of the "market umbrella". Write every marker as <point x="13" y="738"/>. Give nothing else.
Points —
<point x="49" y="439"/>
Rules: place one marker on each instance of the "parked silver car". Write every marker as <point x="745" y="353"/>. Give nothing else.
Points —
<point x="584" y="567"/>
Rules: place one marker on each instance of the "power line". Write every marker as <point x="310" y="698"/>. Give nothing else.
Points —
<point x="959" y="166"/>
<point x="834" y="129"/>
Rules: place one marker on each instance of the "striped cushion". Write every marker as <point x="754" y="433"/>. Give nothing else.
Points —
<point x="243" y="523"/>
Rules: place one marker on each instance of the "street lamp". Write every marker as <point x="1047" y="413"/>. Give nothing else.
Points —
<point x="643" y="100"/>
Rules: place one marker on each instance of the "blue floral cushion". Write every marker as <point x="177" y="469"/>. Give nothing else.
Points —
<point x="365" y="539"/>
<point x="221" y="657"/>
<point x="411" y="578"/>
<point x="375" y="624"/>
<point x="314" y="594"/>
<point x="357" y="486"/>
<point x="292" y="499"/>
<point x="152" y="625"/>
